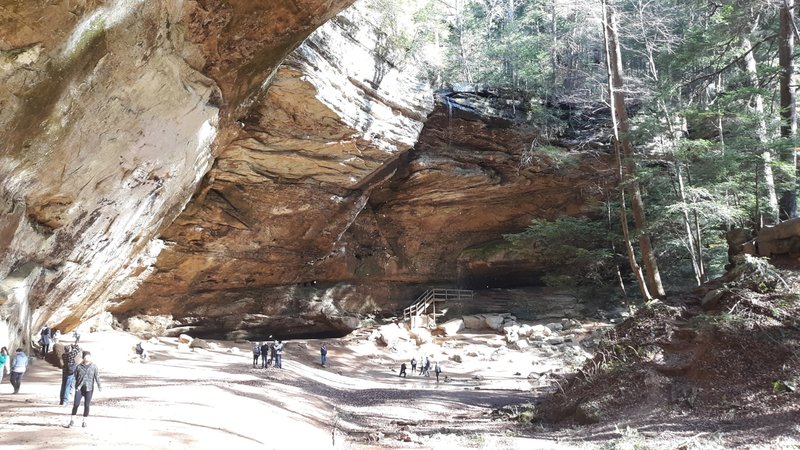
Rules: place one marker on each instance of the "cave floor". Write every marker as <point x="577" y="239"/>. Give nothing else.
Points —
<point x="214" y="398"/>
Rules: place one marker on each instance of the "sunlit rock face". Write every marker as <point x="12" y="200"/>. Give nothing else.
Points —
<point x="253" y="250"/>
<point x="112" y="112"/>
<point x="300" y="234"/>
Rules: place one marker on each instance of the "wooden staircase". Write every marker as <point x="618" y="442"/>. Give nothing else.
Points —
<point x="432" y="304"/>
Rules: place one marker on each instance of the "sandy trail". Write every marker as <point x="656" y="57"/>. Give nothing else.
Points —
<point x="209" y="399"/>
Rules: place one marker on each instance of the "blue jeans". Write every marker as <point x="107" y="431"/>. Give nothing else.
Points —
<point x="278" y="364"/>
<point x="66" y="386"/>
<point x="324" y="359"/>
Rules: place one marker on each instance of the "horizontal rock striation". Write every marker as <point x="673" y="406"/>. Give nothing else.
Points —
<point x="112" y="113"/>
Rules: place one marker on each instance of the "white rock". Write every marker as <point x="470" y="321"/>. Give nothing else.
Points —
<point x="421" y="336"/>
<point x="452" y="327"/>
<point x="153" y="340"/>
<point x="233" y="350"/>
<point x="185" y="339"/>
<point x="525" y="330"/>
<point x="494" y="321"/>
<point x="389" y="334"/>
<point x="521" y="344"/>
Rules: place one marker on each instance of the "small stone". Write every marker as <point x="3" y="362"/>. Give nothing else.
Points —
<point x="198" y="343"/>
<point x="233" y="350"/>
<point x="185" y="339"/>
<point x="555" y="340"/>
<point x="478" y="377"/>
<point x="521" y="344"/>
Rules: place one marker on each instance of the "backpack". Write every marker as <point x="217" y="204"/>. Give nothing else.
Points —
<point x="256" y="350"/>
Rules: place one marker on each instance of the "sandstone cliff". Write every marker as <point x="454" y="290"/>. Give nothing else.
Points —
<point x="112" y="112"/>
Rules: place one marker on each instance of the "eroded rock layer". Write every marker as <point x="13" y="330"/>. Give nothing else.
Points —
<point x="311" y="246"/>
<point x="111" y="115"/>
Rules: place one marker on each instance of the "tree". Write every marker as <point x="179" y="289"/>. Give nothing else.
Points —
<point x="788" y="109"/>
<point x="625" y="159"/>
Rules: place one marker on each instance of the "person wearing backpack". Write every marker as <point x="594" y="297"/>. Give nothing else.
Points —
<point x="68" y="372"/>
<point x="265" y="355"/>
<point x="256" y="354"/>
<point x="46" y="340"/>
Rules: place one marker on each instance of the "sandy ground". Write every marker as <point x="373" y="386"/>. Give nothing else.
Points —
<point x="215" y="399"/>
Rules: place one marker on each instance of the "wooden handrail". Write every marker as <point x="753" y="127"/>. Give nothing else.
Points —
<point x="431" y="296"/>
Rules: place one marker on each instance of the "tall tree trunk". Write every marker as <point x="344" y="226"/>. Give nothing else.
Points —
<point x="788" y="202"/>
<point x="761" y="130"/>
<point x="690" y="238"/>
<point x="622" y="139"/>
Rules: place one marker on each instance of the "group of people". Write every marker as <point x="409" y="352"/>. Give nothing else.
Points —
<point x="48" y="338"/>
<point x="78" y="377"/>
<point x="424" y="368"/>
<point x="269" y="354"/>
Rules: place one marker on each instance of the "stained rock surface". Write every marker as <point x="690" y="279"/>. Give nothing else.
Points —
<point x="112" y="113"/>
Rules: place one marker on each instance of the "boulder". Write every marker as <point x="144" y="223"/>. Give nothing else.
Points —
<point x="199" y="343"/>
<point x="456" y="358"/>
<point x="555" y="326"/>
<point x="525" y="330"/>
<point x="452" y="327"/>
<point x="555" y="340"/>
<point x="521" y="344"/>
<point x="570" y="324"/>
<point x="150" y="325"/>
<point x="494" y="321"/>
<point x="388" y="335"/>
<point x="185" y="339"/>
<point x="421" y="336"/>
<point x="234" y="350"/>
<point x="476" y="322"/>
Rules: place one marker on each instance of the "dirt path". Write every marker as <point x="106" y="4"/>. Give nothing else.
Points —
<point x="213" y="399"/>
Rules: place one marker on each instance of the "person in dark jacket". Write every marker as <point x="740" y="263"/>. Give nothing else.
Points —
<point x="323" y="354"/>
<point x="46" y="340"/>
<point x="86" y="376"/>
<point x="437" y="369"/>
<point x="265" y="355"/>
<point x="413" y="365"/>
<point x="256" y="354"/>
<point x="68" y="372"/>
<point x="402" y="370"/>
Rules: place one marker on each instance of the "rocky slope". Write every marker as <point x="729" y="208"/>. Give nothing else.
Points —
<point x="112" y="112"/>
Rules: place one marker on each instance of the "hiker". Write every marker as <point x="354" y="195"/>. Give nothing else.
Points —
<point x="278" y="349"/>
<point x="68" y="372"/>
<point x="76" y="336"/>
<point x="141" y="351"/>
<point x="3" y="363"/>
<point x="86" y="376"/>
<point x="323" y="353"/>
<point x="18" y="367"/>
<point x="403" y="370"/>
<point x="413" y="365"/>
<point x="256" y="354"/>
<point x="437" y="369"/>
<point x="427" y="369"/>
<point x="45" y="340"/>
<point x="265" y="355"/>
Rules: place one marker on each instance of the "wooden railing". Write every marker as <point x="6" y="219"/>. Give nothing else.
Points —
<point x="427" y="302"/>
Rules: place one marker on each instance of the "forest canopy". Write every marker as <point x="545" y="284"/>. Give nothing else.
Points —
<point x="711" y="144"/>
